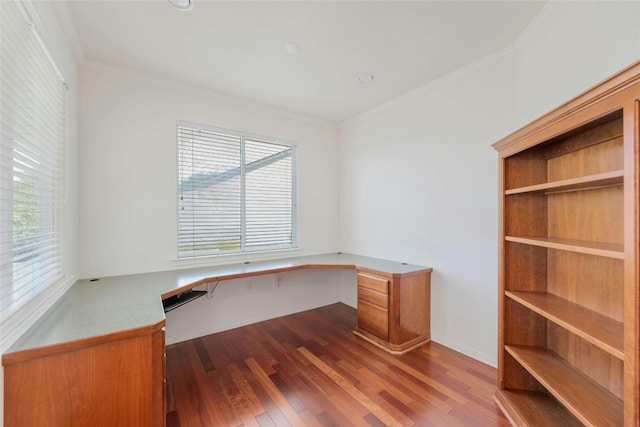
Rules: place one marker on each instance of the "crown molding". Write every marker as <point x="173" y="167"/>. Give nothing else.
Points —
<point x="195" y="91"/>
<point x="538" y="23"/>
<point x="453" y="76"/>
<point x="61" y="10"/>
<point x="529" y="33"/>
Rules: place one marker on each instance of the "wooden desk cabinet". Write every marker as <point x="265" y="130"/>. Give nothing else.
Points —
<point x="116" y="380"/>
<point x="97" y="357"/>
<point x="394" y="309"/>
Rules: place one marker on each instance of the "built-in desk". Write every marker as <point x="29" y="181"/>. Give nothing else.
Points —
<point x="97" y="356"/>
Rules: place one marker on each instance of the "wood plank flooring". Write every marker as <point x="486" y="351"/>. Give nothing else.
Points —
<point x="308" y="369"/>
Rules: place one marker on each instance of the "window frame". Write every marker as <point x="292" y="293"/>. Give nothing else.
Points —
<point x="33" y="147"/>
<point x="244" y="248"/>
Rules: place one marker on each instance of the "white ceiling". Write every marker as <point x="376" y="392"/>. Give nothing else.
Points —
<point x="237" y="47"/>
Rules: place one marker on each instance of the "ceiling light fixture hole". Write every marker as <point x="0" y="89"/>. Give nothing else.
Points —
<point x="365" y="78"/>
<point x="292" y="48"/>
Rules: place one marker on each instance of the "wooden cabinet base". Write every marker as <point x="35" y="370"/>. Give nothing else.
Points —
<point x="392" y="348"/>
<point x="394" y="310"/>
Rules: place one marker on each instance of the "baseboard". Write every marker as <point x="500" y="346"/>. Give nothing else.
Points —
<point x="488" y="359"/>
<point x="349" y="301"/>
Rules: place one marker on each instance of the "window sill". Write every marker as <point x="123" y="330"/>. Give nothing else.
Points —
<point x="235" y="258"/>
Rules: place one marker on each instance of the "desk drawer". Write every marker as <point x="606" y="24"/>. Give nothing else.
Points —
<point x="373" y="319"/>
<point x="376" y="283"/>
<point x="374" y="297"/>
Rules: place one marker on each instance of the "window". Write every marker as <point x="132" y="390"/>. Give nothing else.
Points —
<point x="237" y="192"/>
<point x="33" y="117"/>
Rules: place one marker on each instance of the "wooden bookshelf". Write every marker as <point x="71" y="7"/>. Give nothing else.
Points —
<point x="532" y="409"/>
<point x="601" y="331"/>
<point x="605" y="179"/>
<point x="589" y="402"/>
<point x="610" y="250"/>
<point x="568" y="271"/>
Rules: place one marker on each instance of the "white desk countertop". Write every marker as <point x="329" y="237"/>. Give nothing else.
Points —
<point x="121" y="303"/>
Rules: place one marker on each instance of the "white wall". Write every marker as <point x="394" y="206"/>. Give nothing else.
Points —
<point x="128" y="185"/>
<point x="571" y="47"/>
<point x="419" y="177"/>
<point x="242" y="302"/>
<point x="418" y="184"/>
<point x="53" y="35"/>
<point x="128" y="178"/>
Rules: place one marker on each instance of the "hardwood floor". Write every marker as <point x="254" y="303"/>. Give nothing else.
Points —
<point x="308" y="369"/>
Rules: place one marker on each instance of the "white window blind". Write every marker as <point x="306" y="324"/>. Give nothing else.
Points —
<point x="33" y="116"/>
<point x="236" y="192"/>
